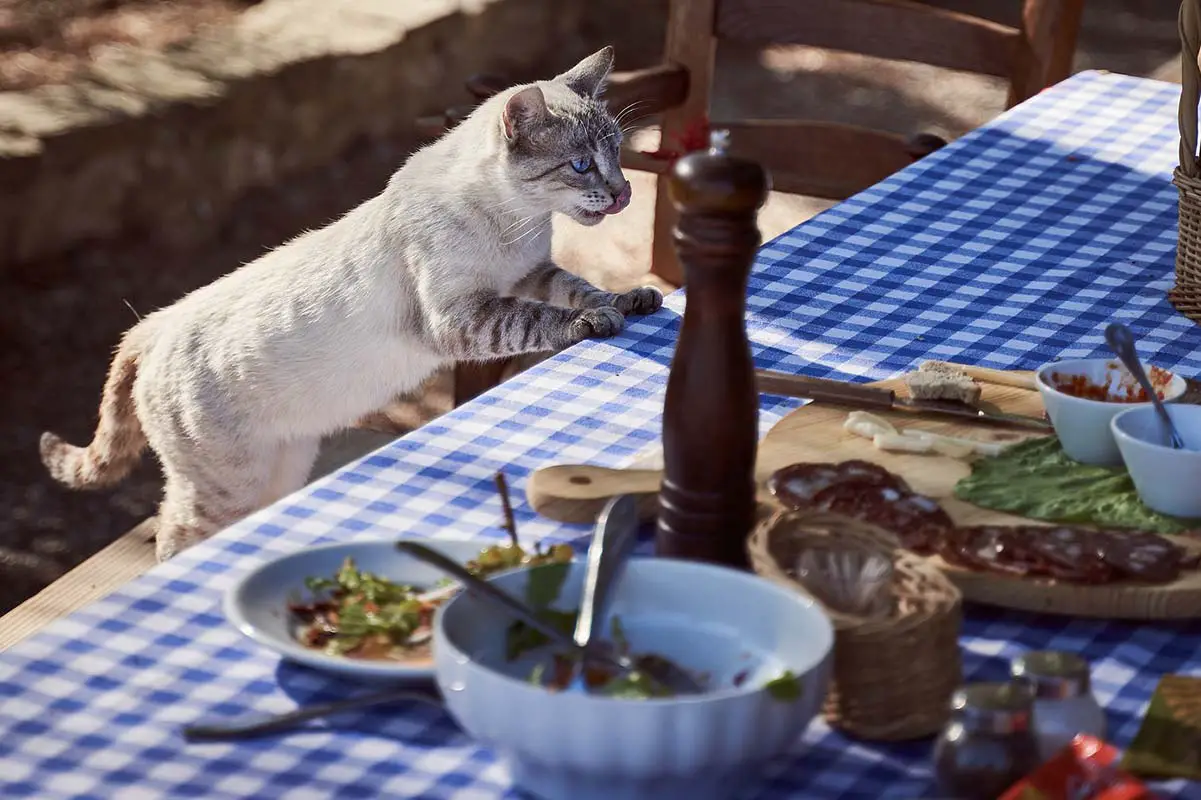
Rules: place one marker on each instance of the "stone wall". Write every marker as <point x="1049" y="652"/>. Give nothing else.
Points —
<point x="160" y="144"/>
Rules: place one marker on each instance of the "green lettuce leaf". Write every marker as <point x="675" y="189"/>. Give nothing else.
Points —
<point x="1037" y="480"/>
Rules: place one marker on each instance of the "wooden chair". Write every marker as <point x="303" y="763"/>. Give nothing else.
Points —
<point x="822" y="159"/>
<point x="832" y="160"/>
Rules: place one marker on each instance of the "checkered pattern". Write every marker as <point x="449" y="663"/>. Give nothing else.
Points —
<point x="1009" y="247"/>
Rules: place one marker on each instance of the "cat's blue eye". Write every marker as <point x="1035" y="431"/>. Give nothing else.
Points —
<point x="582" y="164"/>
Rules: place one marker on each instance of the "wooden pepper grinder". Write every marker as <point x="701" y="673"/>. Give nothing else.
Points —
<point x="711" y="413"/>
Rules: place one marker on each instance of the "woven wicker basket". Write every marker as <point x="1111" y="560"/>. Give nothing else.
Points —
<point x="1186" y="294"/>
<point x="893" y="675"/>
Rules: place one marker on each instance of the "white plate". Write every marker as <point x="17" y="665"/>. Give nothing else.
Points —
<point x="257" y="604"/>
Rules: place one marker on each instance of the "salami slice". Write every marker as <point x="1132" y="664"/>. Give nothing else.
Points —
<point x="1142" y="556"/>
<point x="916" y="520"/>
<point x="1065" y="553"/>
<point x="859" y="470"/>
<point x="797" y="485"/>
<point x="1070" y="554"/>
<point x="988" y="548"/>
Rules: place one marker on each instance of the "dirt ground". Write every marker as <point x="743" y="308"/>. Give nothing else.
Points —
<point x="62" y="319"/>
<point x="49" y="41"/>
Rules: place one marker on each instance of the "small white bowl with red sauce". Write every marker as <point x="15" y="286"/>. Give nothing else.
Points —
<point x="1083" y="395"/>
<point x="1167" y="480"/>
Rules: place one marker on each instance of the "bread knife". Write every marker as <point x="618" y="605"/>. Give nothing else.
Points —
<point x="863" y="396"/>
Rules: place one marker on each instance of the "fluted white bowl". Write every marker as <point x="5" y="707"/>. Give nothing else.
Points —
<point x="740" y="629"/>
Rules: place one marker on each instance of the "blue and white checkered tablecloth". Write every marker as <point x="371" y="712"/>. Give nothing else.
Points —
<point x="1010" y="247"/>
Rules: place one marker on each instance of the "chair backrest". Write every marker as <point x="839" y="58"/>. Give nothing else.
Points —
<point x="831" y="160"/>
<point x="1034" y="55"/>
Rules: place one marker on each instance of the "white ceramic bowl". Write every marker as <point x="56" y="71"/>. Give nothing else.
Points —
<point x="1167" y="480"/>
<point x="1082" y="425"/>
<point x="257" y="604"/>
<point x="588" y="747"/>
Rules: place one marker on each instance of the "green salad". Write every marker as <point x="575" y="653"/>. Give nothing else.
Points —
<point x="358" y="614"/>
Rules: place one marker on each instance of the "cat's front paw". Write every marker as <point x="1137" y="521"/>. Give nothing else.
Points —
<point x="643" y="300"/>
<point x="596" y="323"/>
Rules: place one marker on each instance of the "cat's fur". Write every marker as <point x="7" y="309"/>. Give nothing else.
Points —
<point x="234" y="385"/>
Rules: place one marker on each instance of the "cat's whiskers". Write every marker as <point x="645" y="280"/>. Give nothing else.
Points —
<point x="519" y="223"/>
<point x="628" y="109"/>
<point x="508" y="201"/>
<point x="533" y="230"/>
<point x="628" y="127"/>
<point x="521" y="231"/>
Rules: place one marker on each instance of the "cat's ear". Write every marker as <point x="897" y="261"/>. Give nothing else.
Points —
<point x="588" y="77"/>
<point x="523" y="110"/>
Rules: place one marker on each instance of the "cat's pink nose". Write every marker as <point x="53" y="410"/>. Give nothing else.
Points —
<point x="622" y="200"/>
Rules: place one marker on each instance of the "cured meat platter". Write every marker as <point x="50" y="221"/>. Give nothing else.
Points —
<point x="815" y="433"/>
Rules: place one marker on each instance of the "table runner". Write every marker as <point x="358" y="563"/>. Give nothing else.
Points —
<point x="1010" y="247"/>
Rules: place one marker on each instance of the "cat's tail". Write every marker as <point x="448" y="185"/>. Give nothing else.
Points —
<point x="119" y="441"/>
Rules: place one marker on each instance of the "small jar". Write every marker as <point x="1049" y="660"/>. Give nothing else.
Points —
<point x="987" y="746"/>
<point x="1063" y="701"/>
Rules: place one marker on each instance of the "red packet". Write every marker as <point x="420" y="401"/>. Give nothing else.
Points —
<point x="1084" y="770"/>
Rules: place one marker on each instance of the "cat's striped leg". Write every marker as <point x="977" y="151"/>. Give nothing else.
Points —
<point x="552" y="284"/>
<point x="484" y="325"/>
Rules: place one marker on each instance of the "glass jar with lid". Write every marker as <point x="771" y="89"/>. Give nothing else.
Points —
<point x="1063" y="701"/>
<point x="987" y="745"/>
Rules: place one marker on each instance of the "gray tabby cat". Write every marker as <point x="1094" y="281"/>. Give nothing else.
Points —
<point x="235" y="384"/>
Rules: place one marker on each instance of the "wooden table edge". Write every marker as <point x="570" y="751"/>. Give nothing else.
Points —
<point x="94" y="579"/>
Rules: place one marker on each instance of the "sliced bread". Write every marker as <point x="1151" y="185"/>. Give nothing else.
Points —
<point x="935" y="381"/>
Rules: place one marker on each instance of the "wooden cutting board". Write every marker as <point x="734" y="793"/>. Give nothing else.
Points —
<point x="815" y="432"/>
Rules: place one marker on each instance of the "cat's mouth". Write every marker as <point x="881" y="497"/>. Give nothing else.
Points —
<point x="590" y="216"/>
<point x="620" y="201"/>
<point x="618" y="205"/>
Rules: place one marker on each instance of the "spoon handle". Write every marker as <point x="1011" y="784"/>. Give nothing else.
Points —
<point x="615" y="538"/>
<point x="1121" y="341"/>
<point x="255" y="725"/>
<point x="485" y="590"/>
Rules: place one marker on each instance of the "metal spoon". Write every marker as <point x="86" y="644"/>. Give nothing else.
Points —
<point x="675" y="681"/>
<point x="1121" y="341"/>
<point x="253" y="726"/>
<point x="613" y="539"/>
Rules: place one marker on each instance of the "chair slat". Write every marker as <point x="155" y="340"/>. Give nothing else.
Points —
<point x="892" y="29"/>
<point x="639" y="93"/>
<point x="822" y="159"/>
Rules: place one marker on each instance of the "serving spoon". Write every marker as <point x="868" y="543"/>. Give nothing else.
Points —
<point x="1121" y="341"/>
<point x="660" y="671"/>
<point x="613" y="540"/>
